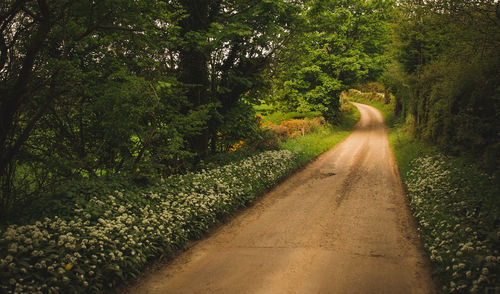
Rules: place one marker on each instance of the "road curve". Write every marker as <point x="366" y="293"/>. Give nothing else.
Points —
<point x="340" y="225"/>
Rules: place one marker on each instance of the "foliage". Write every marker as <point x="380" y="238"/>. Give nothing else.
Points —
<point x="137" y="88"/>
<point x="277" y="117"/>
<point x="78" y="82"/>
<point x="238" y="124"/>
<point x="377" y="100"/>
<point x="224" y="48"/>
<point x="323" y="139"/>
<point x="372" y="87"/>
<point x="445" y="74"/>
<point x="264" y="139"/>
<point x="294" y="127"/>
<point x="457" y="207"/>
<point x="341" y="43"/>
<point x="406" y="148"/>
<point x="90" y="245"/>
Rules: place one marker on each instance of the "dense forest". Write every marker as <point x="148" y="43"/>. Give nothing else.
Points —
<point x="149" y="88"/>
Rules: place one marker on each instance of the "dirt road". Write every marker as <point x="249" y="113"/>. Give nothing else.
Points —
<point x="341" y="225"/>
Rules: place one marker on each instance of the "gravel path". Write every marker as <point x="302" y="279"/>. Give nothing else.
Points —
<point x="340" y="225"/>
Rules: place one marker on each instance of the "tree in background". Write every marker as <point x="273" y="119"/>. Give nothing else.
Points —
<point x="341" y="43"/>
<point x="73" y="75"/>
<point x="225" y="46"/>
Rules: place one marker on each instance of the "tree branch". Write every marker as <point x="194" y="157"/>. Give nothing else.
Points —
<point x="151" y="134"/>
<point x="3" y="53"/>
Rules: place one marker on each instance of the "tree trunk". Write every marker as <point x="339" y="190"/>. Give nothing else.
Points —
<point x="193" y="66"/>
<point x="16" y="96"/>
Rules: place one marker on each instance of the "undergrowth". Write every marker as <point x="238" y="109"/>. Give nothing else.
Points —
<point x="105" y="236"/>
<point x="457" y="208"/>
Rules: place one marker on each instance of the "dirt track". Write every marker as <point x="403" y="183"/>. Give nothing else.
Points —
<point x="341" y="225"/>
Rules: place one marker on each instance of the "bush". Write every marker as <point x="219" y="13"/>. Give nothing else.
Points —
<point x="264" y="139"/>
<point x="371" y="87"/>
<point x="295" y="127"/>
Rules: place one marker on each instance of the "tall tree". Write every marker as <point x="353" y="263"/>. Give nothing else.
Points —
<point x="60" y="61"/>
<point x="341" y="44"/>
<point x="225" y="47"/>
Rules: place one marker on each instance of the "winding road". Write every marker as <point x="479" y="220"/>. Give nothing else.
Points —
<point x="340" y="225"/>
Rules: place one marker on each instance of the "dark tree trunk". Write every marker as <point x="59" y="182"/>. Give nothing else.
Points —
<point x="16" y="95"/>
<point x="193" y="67"/>
<point x="13" y="99"/>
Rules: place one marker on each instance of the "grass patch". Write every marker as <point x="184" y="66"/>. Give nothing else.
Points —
<point x="406" y="148"/>
<point x="277" y="117"/>
<point x="313" y="144"/>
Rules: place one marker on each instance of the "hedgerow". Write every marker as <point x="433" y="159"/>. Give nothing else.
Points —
<point x="111" y="237"/>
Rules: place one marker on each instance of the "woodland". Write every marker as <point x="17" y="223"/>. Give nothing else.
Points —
<point x="150" y="88"/>
<point x="100" y="96"/>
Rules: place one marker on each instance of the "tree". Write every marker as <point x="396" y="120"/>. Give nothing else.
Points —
<point x="445" y="72"/>
<point x="225" y="47"/>
<point x="342" y="43"/>
<point x="64" y="69"/>
<point x="99" y="88"/>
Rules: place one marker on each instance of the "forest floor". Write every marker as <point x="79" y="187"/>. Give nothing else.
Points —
<point x="340" y="225"/>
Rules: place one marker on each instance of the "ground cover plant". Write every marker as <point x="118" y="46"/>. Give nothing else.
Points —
<point x="458" y="211"/>
<point x="112" y="236"/>
<point x="89" y="235"/>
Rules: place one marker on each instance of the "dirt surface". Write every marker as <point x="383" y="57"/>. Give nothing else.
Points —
<point x="340" y="225"/>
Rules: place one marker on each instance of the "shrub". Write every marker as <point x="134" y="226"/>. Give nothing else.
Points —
<point x="295" y="127"/>
<point x="264" y="139"/>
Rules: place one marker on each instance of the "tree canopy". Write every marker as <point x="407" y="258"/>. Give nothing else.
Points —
<point x="340" y="43"/>
<point x="445" y="73"/>
<point x="149" y="88"/>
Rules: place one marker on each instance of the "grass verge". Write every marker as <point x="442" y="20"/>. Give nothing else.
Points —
<point x="313" y="144"/>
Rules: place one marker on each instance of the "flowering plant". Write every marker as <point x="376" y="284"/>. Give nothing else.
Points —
<point x="111" y="237"/>
<point x="457" y="208"/>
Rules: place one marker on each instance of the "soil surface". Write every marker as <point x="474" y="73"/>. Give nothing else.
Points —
<point x="340" y="225"/>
